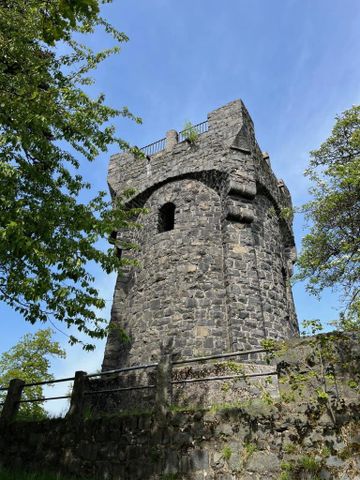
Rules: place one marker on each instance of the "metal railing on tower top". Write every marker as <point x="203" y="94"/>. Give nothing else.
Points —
<point x="160" y="145"/>
<point x="154" y="147"/>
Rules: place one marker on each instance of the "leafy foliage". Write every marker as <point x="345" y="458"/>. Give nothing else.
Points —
<point x="48" y="124"/>
<point x="29" y="360"/>
<point x="331" y="251"/>
<point x="189" y="132"/>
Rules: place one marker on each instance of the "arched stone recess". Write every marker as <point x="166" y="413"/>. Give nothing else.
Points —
<point x="272" y="246"/>
<point x="288" y="255"/>
<point x="287" y="235"/>
<point x="178" y="290"/>
<point x="259" y="251"/>
<point x="214" y="179"/>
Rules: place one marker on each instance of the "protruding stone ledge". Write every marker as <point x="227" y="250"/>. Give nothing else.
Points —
<point x="266" y="157"/>
<point x="237" y="212"/>
<point x="245" y="150"/>
<point x="246" y="190"/>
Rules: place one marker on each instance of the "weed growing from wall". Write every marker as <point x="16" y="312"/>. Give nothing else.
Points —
<point x="226" y="453"/>
<point x="189" y="132"/>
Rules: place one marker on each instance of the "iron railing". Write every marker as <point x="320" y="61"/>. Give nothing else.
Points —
<point x="182" y="362"/>
<point x="145" y="367"/>
<point x="160" y="145"/>
<point x="42" y="399"/>
<point x="154" y="147"/>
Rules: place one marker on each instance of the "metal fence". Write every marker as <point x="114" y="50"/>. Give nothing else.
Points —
<point x="160" y="145"/>
<point x="154" y="147"/>
<point x="79" y="391"/>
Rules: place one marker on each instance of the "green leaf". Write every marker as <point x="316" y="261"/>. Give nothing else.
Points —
<point x="49" y="126"/>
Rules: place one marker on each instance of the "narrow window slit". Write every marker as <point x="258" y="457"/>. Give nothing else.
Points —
<point x="166" y="217"/>
<point x="284" y="277"/>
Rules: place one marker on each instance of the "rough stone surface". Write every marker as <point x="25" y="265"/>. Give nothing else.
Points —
<point x="263" y="462"/>
<point x="140" y="447"/>
<point x="219" y="280"/>
<point x="200" y="394"/>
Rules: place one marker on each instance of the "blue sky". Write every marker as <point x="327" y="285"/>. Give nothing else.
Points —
<point x="295" y="64"/>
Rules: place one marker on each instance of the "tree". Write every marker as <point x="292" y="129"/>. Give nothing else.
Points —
<point x="48" y="125"/>
<point x="29" y="360"/>
<point x="330" y="254"/>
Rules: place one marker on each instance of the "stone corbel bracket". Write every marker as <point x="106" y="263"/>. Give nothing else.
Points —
<point x="242" y="190"/>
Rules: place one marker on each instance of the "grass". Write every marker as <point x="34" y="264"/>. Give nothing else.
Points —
<point x="289" y="448"/>
<point x="250" y="448"/>
<point x="226" y="452"/>
<point x="306" y="464"/>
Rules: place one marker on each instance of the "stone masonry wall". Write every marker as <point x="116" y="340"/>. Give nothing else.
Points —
<point x="179" y="290"/>
<point x="250" y="443"/>
<point x="219" y="280"/>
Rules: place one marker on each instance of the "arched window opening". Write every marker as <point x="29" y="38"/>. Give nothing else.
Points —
<point x="166" y="217"/>
<point x="113" y="237"/>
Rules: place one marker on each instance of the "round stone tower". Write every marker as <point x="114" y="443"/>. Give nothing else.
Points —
<point x="216" y="248"/>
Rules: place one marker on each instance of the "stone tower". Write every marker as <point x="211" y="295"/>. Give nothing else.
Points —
<point x="216" y="247"/>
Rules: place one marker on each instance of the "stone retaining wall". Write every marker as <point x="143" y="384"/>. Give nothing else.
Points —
<point x="310" y="430"/>
<point x="253" y="442"/>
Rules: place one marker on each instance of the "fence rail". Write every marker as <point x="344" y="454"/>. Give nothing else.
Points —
<point x="79" y="391"/>
<point x="154" y="147"/>
<point x="50" y="382"/>
<point x="43" y="399"/>
<point x="121" y="370"/>
<point x="123" y="389"/>
<point x="224" y="377"/>
<point x="220" y="355"/>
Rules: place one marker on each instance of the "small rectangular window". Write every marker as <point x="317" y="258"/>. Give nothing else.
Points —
<point x="166" y="220"/>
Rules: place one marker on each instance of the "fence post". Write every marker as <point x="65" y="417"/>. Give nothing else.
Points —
<point x="163" y="382"/>
<point x="13" y="397"/>
<point x="77" y="401"/>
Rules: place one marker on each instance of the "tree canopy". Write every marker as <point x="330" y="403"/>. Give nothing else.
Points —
<point x="48" y="125"/>
<point x="331" y="250"/>
<point x="29" y="360"/>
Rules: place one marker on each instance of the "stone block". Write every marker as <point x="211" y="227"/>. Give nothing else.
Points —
<point x="199" y="459"/>
<point x="263" y="462"/>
